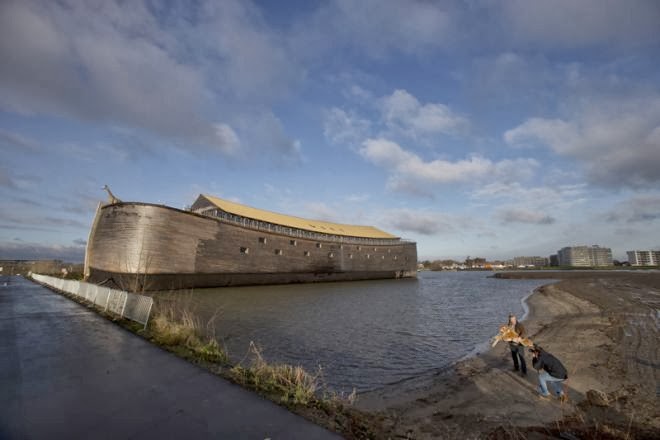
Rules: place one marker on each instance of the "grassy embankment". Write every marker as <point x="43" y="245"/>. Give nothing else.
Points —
<point x="174" y="327"/>
<point x="181" y="332"/>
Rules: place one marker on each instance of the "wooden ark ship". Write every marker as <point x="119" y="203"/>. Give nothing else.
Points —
<point x="142" y="246"/>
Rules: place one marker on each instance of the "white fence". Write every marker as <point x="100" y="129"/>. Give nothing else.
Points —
<point x="126" y="305"/>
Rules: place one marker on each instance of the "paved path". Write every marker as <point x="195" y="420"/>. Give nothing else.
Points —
<point x="67" y="373"/>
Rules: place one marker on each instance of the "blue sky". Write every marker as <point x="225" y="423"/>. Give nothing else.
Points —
<point x="476" y="127"/>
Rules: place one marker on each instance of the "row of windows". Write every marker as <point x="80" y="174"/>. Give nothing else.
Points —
<point x="257" y="224"/>
<point x="264" y="240"/>
<point x="246" y="250"/>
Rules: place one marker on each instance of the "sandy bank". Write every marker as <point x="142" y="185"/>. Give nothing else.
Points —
<point x="603" y="327"/>
<point x="573" y="274"/>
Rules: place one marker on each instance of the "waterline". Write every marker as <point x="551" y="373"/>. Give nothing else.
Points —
<point x="366" y="334"/>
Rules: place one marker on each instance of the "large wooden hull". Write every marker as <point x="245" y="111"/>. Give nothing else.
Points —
<point x="139" y="246"/>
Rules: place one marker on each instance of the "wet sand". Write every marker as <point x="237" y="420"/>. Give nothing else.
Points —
<point x="603" y="326"/>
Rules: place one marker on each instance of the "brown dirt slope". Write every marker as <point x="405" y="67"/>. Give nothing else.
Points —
<point x="605" y="331"/>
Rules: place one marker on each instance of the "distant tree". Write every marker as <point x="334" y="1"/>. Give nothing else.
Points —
<point x="435" y="265"/>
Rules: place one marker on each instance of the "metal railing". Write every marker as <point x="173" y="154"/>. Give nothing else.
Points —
<point x="126" y="305"/>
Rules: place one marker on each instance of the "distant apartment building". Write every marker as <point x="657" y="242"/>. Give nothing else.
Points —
<point x="530" y="261"/>
<point x="585" y="256"/>
<point x="644" y="258"/>
<point x="554" y="260"/>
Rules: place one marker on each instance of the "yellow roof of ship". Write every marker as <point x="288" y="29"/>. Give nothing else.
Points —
<point x="297" y="222"/>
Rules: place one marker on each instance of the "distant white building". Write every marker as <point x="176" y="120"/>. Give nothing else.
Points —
<point x="530" y="261"/>
<point x="644" y="258"/>
<point x="585" y="256"/>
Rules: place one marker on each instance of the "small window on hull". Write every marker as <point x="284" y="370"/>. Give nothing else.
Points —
<point x="245" y="250"/>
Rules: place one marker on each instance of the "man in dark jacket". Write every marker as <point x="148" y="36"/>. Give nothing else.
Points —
<point x="550" y="370"/>
<point x="517" y="349"/>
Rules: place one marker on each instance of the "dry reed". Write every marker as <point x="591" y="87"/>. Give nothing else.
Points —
<point x="292" y="383"/>
<point x="179" y="327"/>
<point x="175" y="325"/>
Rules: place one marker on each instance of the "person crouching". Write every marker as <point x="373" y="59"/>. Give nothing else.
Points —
<point x="550" y="371"/>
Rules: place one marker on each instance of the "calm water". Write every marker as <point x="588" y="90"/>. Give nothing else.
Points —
<point x="365" y="334"/>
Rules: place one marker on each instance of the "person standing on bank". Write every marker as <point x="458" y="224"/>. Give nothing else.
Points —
<point x="517" y="349"/>
<point x="550" y="370"/>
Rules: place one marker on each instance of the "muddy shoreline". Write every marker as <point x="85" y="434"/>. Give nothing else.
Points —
<point x="604" y="328"/>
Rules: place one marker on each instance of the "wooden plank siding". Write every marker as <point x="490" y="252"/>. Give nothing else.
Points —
<point x="171" y="248"/>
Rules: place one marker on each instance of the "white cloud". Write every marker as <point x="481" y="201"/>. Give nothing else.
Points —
<point x="514" y="202"/>
<point x="6" y="179"/>
<point x="618" y="141"/>
<point x="265" y="133"/>
<point x="524" y="215"/>
<point x="17" y="141"/>
<point x="375" y="28"/>
<point x="408" y="168"/>
<point x="98" y="72"/>
<point x="179" y="72"/>
<point x="637" y="209"/>
<point x="555" y="132"/>
<point x="575" y="24"/>
<point x="341" y="127"/>
<point x="228" y="137"/>
<point x="123" y="147"/>
<point x="399" y="114"/>
<point x="357" y="198"/>
<point x="380" y="30"/>
<point x="31" y="251"/>
<point x="402" y="112"/>
<point x="30" y="222"/>
<point x="357" y="93"/>
<point x="555" y="197"/>
<point x="421" y="222"/>
<point x="249" y="60"/>
<point x="321" y="211"/>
